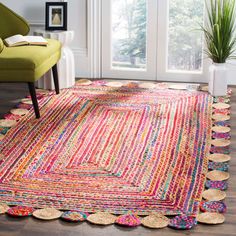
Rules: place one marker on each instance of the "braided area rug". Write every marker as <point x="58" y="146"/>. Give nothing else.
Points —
<point x="97" y="148"/>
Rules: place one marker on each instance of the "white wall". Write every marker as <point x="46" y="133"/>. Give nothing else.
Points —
<point x="232" y="72"/>
<point x="34" y="12"/>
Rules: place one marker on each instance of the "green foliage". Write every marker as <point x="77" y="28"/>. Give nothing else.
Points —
<point x="220" y="30"/>
<point x="185" y="43"/>
<point x="135" y="16"/>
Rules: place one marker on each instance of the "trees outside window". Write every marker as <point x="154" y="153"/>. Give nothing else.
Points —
<point x="185" y="41"/>
<point x="129" y="34"/>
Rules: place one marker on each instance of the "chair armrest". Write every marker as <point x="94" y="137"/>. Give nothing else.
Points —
<point x="1" y="45"/>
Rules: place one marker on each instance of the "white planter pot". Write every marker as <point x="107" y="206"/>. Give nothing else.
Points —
<point x="218" y="76"/>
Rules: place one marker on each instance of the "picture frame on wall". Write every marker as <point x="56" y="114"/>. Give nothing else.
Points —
<point x="56" y="16"/>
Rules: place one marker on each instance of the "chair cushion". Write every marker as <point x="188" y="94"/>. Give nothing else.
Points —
<point x="1" y="45"/>
<point x="28" y="63"/>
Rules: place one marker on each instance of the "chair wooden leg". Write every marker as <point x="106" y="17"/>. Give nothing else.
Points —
<point x="55" y="78"/>
<point x="34" y="99"/>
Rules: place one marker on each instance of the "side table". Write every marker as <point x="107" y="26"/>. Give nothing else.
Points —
<point x="66" y="65"/>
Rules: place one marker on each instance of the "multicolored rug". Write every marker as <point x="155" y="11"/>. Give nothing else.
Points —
<point x="98" y="148"/>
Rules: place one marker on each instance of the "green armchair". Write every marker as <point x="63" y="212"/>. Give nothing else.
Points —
<point x="25" y="64"/>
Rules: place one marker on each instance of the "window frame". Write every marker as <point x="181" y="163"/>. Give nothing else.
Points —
<point x="162" y="52"/>
<point x="96" y="44"/>
<point x="108" y="71"/>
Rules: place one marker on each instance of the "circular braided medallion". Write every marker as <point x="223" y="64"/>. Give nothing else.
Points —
<point x="131" y="85"/>
<point x="4" y="130"/>
<point x="220" y="150"/>
<point x="7" y="123"/>
<point x="214" y="206"/>
<point x="222" y="166"/>
<point x="114" y="84"/>
<point x="99" y="82"/>
<point x="221" y="105"/>
<point x="224" y="112"/>
<point x="221" y="185"/>
<point x="211" y="218"/>
<point x="217" y="175"/>
<point x="101" y="218"/>
<point x="10" y="116"/>
<point x="221" y="99"/>
<point x="27" y="101"/>
<point x="183" y="222"/>
<point x="155" y="221"/>
<point x="221" y="136"/>
<point x="219" y="117"/>
<point x="4" y="208"/>
<point x="20" y="211"/>
<point x="24" y="106"/>
<point x="74" y="216"/>
<point x="178" y="86"/>
<point x="38" y="96"/>
<point x="161" y="86"/>
<point x="129" y="220"/>
<point x="84" y="82"/>
<point x="204" y="88"/>
<point x="47" y="214"/>
<point x="19" y="112"/>
<point x="147" y="85"/>
<point x="221" y="129"/>
<point x="214" y="195"/>
<point x="219" y="157"/>
<point x="42" y="91"/>
<point x="222" y="123"/>
<point x="220" y="142"/>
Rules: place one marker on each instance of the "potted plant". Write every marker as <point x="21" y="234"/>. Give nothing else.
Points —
<point x="220" y="37"/>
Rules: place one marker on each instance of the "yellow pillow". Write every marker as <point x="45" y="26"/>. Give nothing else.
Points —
<point x="1" y="45"/>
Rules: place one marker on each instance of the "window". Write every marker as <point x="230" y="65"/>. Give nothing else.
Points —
<point x="153" y="40"/>
<point x="129" y="18"/>
<point x="185" y="41"/>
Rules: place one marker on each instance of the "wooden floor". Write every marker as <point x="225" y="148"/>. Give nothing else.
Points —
<point x="9" y="96"/>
